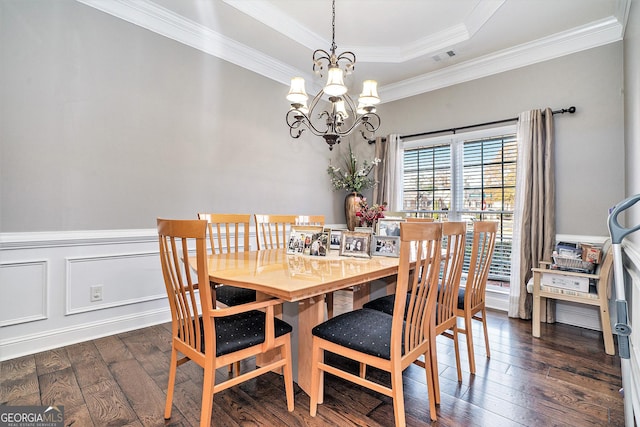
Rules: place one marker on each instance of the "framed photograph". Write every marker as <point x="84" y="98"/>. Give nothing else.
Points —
<point x="364" y="229"/>
<point x="389" y="227"/>
<point x="385" y="246"/>
<point x="300" y="238"/>
<point x="335" y="238"/>
<point x="356" y="244"/>
<point x="319" y="244"/>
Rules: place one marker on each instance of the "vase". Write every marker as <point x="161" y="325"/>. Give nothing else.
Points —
<point x="350" y="208"/>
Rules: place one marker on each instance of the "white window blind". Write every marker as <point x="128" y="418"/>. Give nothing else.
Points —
<point x="467" y="177"/>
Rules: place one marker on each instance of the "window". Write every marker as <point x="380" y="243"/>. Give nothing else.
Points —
<point x="466" y="177"/>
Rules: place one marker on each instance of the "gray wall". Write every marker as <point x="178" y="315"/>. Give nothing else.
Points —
<point x="105" y="125"/>
<point x="632" y="111"/>
<point x="589" y="143"/>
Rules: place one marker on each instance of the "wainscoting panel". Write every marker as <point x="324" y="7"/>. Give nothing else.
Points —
<point x="124" y="278"/>
<point x="632" y="267"/>
<point x="23" y="286"/>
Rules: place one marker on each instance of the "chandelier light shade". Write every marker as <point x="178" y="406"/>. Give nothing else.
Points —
<point x="343" y="116"/>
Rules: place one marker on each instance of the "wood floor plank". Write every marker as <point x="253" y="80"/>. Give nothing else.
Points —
<point x="112" y="349"/>
<point x="60" y="388"/>
<point x="19" y="379"/>
<point x="108" y="405"/>
<point x="146" y="399"/>
<point x="52" y="360"/>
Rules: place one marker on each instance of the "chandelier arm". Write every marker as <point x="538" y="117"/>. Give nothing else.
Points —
<point x="320" y="55"/>
<point x="350" y="103"/>
<point x="365" y="121"/>
<point x="314" y="102"/>
<point x="296" y="118"/>
<point x="347" y="56"/>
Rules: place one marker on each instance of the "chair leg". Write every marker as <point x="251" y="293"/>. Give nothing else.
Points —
<point x="398" y="396"/>
<point x="207" y="394"/>
<point x="609" y="347"/>
<point x="469" y="333"/>
<point x="486" y="335"/>
<point x="288" y="374"/>
<point x="172" y="382"/>
<point x="432" y="382"/>
<point x="456" y="347"/>
<point x="431" y="366"/>
<point x="316" y="393"/>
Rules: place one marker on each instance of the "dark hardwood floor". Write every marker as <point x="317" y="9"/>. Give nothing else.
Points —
<point x="562" y="379"/>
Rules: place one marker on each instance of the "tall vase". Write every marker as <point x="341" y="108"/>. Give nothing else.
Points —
<point x="350" y="209"/>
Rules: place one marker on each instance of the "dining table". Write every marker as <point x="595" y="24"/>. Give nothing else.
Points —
<point x="302" y="282"/>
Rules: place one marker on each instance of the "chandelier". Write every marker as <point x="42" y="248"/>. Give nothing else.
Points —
<point x="342" y="116"/>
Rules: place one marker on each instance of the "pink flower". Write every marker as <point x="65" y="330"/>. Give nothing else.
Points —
<point x="369" y="214"/>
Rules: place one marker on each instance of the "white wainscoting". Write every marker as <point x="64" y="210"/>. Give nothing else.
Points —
<point x="632" y="267"/>
<point x="17" y="280"/>
<point x="45" y="282"/>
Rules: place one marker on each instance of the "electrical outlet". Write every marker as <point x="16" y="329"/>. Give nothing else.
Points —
<point x="96" y="293"/>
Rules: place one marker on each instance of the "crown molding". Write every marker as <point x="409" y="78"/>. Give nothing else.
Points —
<point x="153" y="17"/>
<point x="596" y="34"/>
<point x="435" y="43"/>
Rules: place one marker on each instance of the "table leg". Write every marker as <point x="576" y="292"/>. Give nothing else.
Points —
<point x="361" y="295"/>
<point x="310" y="314"/>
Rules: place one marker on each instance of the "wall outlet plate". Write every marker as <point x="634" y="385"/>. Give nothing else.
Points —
<point x="96" y="293"/>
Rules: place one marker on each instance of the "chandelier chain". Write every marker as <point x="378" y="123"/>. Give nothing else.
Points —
<point x="333" y="28"/>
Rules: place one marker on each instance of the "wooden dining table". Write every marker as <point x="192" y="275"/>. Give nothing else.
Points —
<point x="302" y="281"/>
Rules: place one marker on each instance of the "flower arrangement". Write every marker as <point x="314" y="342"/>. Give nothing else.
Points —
<point x="352" y="178"/>
<point x="369" y="214"/>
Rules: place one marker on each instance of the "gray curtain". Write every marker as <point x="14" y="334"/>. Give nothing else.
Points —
<point x="534" y="212"/>
<point x="388" y="172"/>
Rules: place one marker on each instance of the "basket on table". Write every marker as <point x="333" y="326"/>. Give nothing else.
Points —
<point x="573" y="264"/>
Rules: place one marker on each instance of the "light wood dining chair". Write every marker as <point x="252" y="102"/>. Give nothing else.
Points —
<point x="272" y="232"/>
<point x="209" y="336"/>
<point x="453" y="242"/>
<point x="229" y="233"/>
<point x="388" y="342"/>
<point x="471" y="297"/>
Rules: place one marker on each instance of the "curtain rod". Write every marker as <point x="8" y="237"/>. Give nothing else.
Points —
<point x="569" y="110"/>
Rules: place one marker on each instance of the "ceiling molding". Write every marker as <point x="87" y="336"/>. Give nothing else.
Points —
<point x="281" y="22"/>
<point x="153" y="17"/>
<point x="578" y="39"/>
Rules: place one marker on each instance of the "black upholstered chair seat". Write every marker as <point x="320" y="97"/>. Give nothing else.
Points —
<point x="242" y="331"/>
<point x="234" y="295"/>
<point x="461" y="293"/>
<point x="364" y="330"/>
<point x="384" y="304"/>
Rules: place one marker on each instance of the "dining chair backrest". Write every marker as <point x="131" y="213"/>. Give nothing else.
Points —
<point x="272" y="230"/>
<point x="454" y="238"/>
<point x="414" y="219"/>
<point x="310" y="220"/>
<point x="227" y="232"/>
<point x="176" y="239"/>
<point x="484" y="241"/>
<point x="420" y="243"/>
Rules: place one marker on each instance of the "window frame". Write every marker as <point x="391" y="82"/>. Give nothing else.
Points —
<point x="456" y="141"/>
